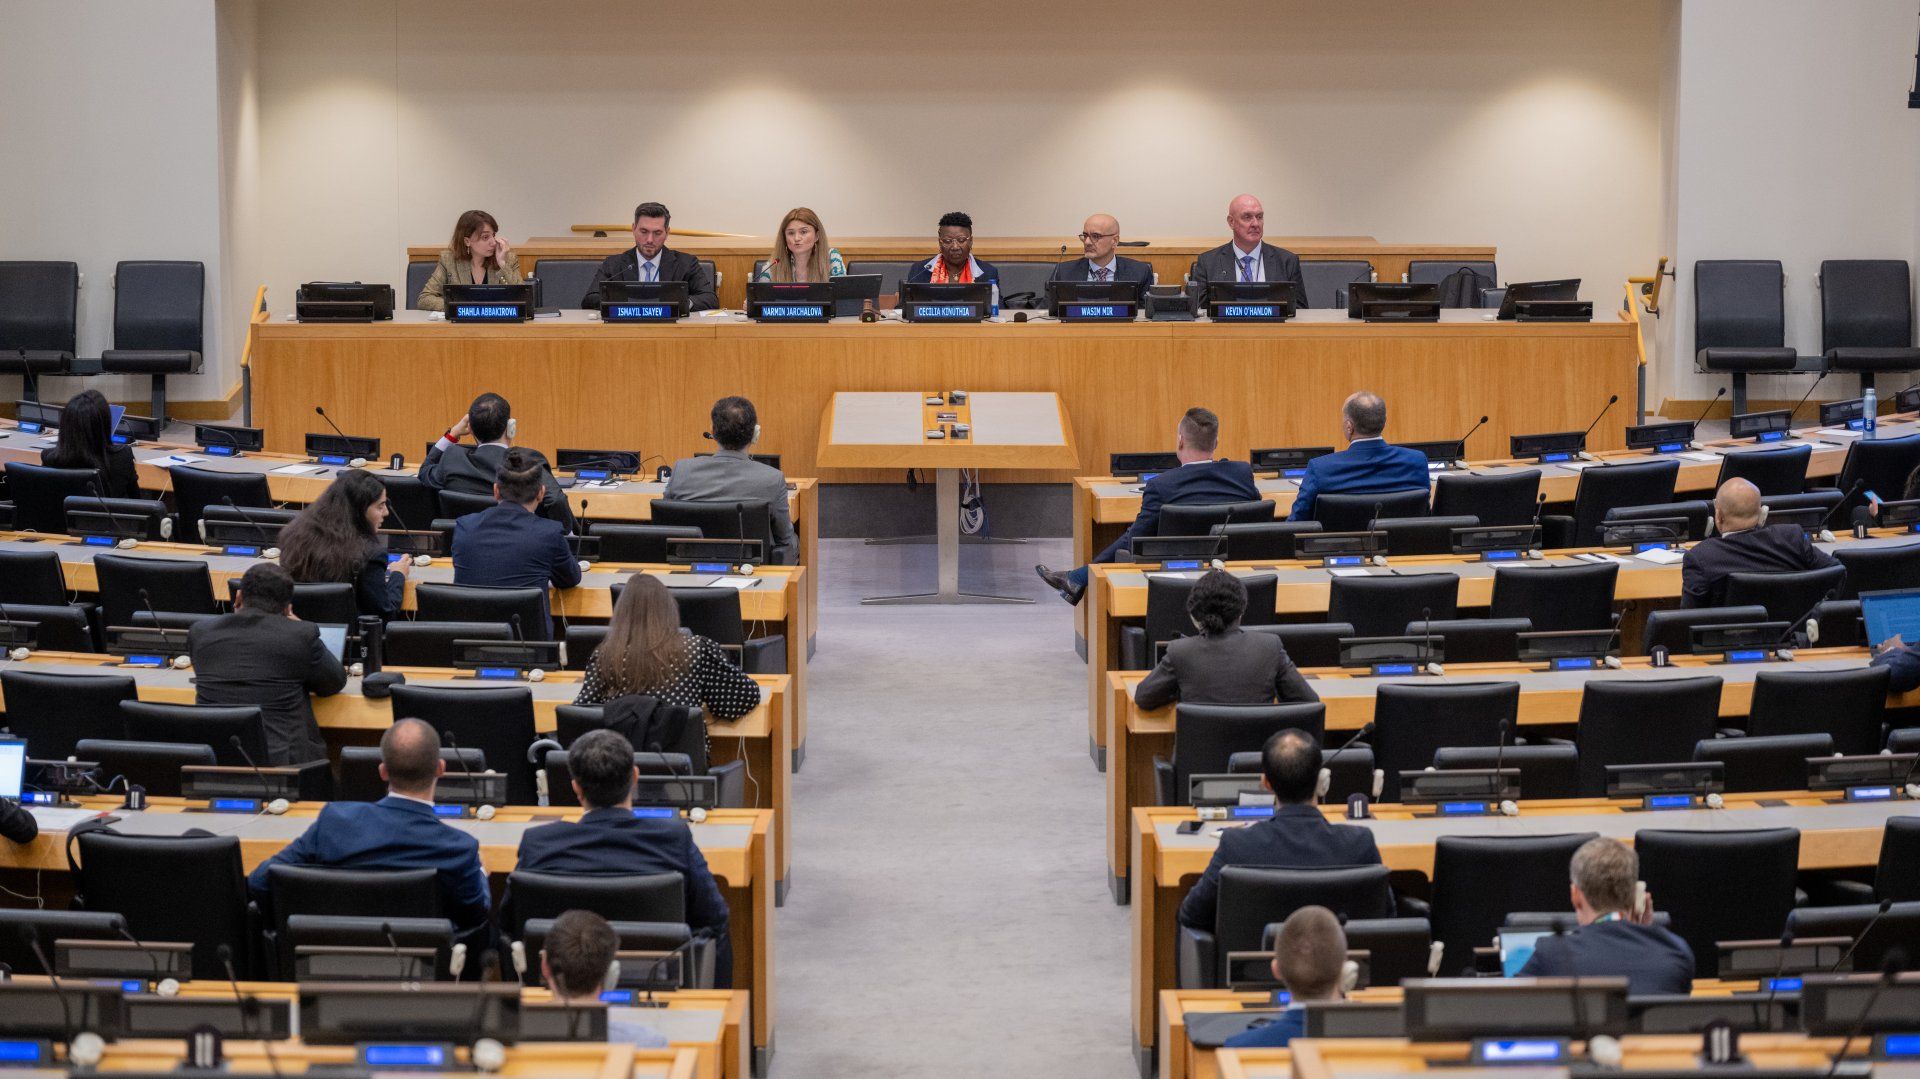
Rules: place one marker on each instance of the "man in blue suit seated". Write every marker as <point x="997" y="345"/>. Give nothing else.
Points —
<point x="1616" y="937"/>
<point x="1298" y="835"/>
<point x="1098" y="239"/>
<point x="1199" y="480"/>
<point x="1310" y="959"/>
<point x="955" y="264"/>
<point x="1367" y="466"/>
<point x="609" y="839"/>
<point x="397" y="832"/>
<point x="509" y="545"/>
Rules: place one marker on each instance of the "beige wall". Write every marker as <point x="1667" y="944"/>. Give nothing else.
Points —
<point x="1534" y="127"/>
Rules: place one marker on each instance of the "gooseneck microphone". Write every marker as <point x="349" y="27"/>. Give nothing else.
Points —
<point x="1803" y="399"/>
<point x="113" y="519"/>
<point x="266" y="788"/>
<point x="31" y="934"/>
<point x="1426" y="636"/>
<point x="1326" y="765"/>
<point x="1499" y="755"/>
<point x="1885" y="906"/>
<point x="322" y="413"/>
<point x="259" y="531"/>
<point x="1596" y="420"/>
<point x="654" y="970"/>
<point x="166" y="635"/>
<point x="1469" y="434"/>
<point x="1702" y="418"/>
<point x="1890" y="968"/>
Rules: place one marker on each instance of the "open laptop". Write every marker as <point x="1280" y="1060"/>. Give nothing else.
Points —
<point x="335" y="638"/>
<point x="1891" y="613"/>
<point x="1516" y="947"/>
<point x="13" y="766"/>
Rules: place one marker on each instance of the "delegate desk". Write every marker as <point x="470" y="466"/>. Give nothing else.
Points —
<point x="1383" y="1058"/>
<point x="533" y="1060"/>
<point x="1835" y="835"/>
<point x="737" y="844"/>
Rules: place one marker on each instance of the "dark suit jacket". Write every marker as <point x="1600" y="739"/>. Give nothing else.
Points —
<point x="392" y="833"/>
<point x="1652" y="959"/>
<point x="1235" y="667"/>
<point x="269" y="660"/>
<point x="1297" y="837"/>
<point x="1198" y="483"/>
<point x="1283" y="1028"/>
<point x="17" y="824"/>
<point x="1125" y="271"/>
<point x="119" y="480"/>
<point x="674" y="266"/>
<point x="1368" y="466"/>
<point x="377" y="589"/>
<point x="1222" y="264"/>
<point x="471" y="470"/>
<point x="1769" y="549"/>
<point x="922" y="272"/>
<point x="1905" y="664"/>
<point x="507" y="547"/>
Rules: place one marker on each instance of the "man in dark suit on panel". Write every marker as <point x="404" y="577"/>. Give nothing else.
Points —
<point x="652" y="260"/>
<point x="1199" y="480"/>
<point x="1247" y="257"/>
<point x="453" y="466"/>
<point x="1098" y="239"/>
<point x="261" y="655"/>
<point x="1616" y="938"/>
<point x="609" y="839"/>
<point x="1744" y="544"/>
<point x="1367" y="466"/>
<point x="507" y="546"/>
<point x="1298" y="836"/>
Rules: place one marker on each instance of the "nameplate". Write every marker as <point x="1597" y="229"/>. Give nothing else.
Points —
<point x="1242" y="311"/>
<point x="927" y="311"/>
<point x="790" y="312"/>
<point x="489" y="312"/>
<point x="1097" y="312"/>
<point x="640" y="312"/>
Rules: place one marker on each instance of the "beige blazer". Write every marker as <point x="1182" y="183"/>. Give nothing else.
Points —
<point x="459" y="271"/>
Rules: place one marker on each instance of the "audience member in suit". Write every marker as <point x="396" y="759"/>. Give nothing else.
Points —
<point x="652" y="260"/>
<point x="477" y="255"/>
<point x="1224" y="664"/>
<point x="1297" y="836"/>
<point x="1902" y="659"/>
<point x="397" y="832"/>
<point x="508" y="546"/>
<point x="1615" y="938"/>
<point x="1247" y="257"/>
<point x="609" y="839"/>
<point x="731" y="474"/>
<point x="336" y="539"/>
<point x="451" y="466"/>
<point x="1199" y="480"/>
<point x="86" y="441"/>
<point x="801" y="251"/>
<point x="1098" y="239"/>
<point x="955" y="263"/>
<point x="1744" y="544"/>
<point x="1310" y="959"/>
<point x="1367" y="466"/>
<point x="17" y="824"/>
<point x="578" y="964"/>
<point x="262" y="655"/>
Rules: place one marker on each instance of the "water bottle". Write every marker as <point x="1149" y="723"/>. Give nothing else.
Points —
<point x="996" y="300"/>
<point x="1869" y="412"/>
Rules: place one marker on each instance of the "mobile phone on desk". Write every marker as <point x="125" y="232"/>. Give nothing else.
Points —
<point x="1190" y="827"/>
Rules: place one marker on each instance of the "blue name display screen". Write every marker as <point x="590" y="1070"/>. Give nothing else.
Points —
<point x="218" y="451"/>
<point x="486" y="312"/>
<point x="1669" y="801"/>
<point x="14" y="1051"/>
<point x="1499" y="556"/>
<point x="1462" y="809"/>
<point x="1901" y="1045"/>
<point x="946" y="310"/>
<point x="1574" y="663"/>
<point x="241" y="552"/>
<point x="98" y="541"/>
<point x="636" y="312"/>
<point x="406" y="1056"/>
<point x="654" y="811"/>
<point x="449" y="811"/>
<point x="1251" y="812"/>
<point x="1531" y="1051"/>
<point x="31" y="427"/>
<point x="1554" y="458"/>
<point x="497" y="672"/>
<point x="235" y="805"/>
<point x="711" y="567"/>
<point x="1247" y="310"/>
<point x="793" y="310"/>
<point x="1869" y="794"/>
<point x="1783" y="985"/>
<point x="1184" y="563"/>
<point x="1747" y="655"/>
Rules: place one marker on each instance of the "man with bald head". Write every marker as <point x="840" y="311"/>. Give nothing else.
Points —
<point x="1367" y="466"/>
<point x="1248" y="257"/>
<point x="1745" y="544"/>
<point x="1098" y="239"/>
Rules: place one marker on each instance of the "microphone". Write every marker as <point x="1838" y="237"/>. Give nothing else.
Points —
<point x="266" y="544"/>
<point x="1787" y="637"/>
<point x="1766" y="1016"/>
<point x="1373" y="522"/>
<point x="152" y="958"/>
<point x="269" y="803"/>
<point x="1539" y="507"/>
<point x="580" y="519"/>
<point x="1885" y="906"/>
<point x="1718" y="394"/>
<point x="740" y="522"/>
<point x="1499" y="755"/>
<point x="514" y="620"/>
<point x="1890" y="968"/>
<point x="249" y="1007"/>
<point x="232" y="442"/>
<point x="654" y="970"/>
<point x="1426" y="636"/>
<point x="393" y="945"/>
<point x="1597" y="419"/>
<point x="1327" y="764"/>
<point x="147" y="602"/>
<point x="322" y="413"/>
<point x="1844" y="499"/>
<point x="1803" y="400"/>
<point x="113" y="521"/>
<point x="31" y="934"/>
<point x="484" y="812"/>
<point x="488" y="959"/>
<point x="1469" y="434"/>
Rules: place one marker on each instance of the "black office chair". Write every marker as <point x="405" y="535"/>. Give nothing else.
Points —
<point x="174" y="888"/>
<point x="417" y="275"/>
<point x="1876" y="569"/>
<point x="365" y="893"/>
<point x="360" y="770"/>
<point x="173" y="585"/>
<point x="890" y="273"/>
<point x="1692" y="874"/>
<point x="496" y="721"/>
<point x="1875" y="933"/>
<point x="1474" y="640"/>
<point x="1673" y="627"/>
<point x="258" y="526"/>
<point x="54" y="712"/>
<point x="651" y="897"/>
<point x="1849" y="704"/>
<point x="61" y="627"/>
<point x="1167" y="615"/>
<point x="32" y="577"/>
<point x="1194" y="519"/>
<point x="157" y="311"/>
<point x="39" y="310"/>
<point x="1478" y="880"/>
<point x="1254" y="897"/>
<point x="411" y="504"/>
<point x="1840" y="624"/>
<point x="1774" y="472"/>
<point x="1546" y="771"/>
<point x="621" y="542"/>
<point x="1357" y="513"/>
<point x="1656" y="721"/>
<point x="1382" y="606"/>
<point x="326" y="603"/>
<point x="582" y="642"/>
<point x="714" y="613"/>
<point x="430" y="644"/>
<point x="1309" y="644"/>
<point x="1880" y="465"/>
<point x="1822" y="499"/>
<point x="1509" y="498"/>
<point x="198" y="724"/>
<point x="457" y="504"/>
<point x="1695" y="512"/>
<point x="1412" y="721"/>
<point x="154" y="766"/>
<point x="719" y="520"/>
<point x="566" y="280"/>
<point x="195" y="488"/>
<point x="1740" y="320"/>
<point x="1556" y="598"/>
<point x="39" y="495"/>
<point x="1604" y="487"/>
<point x="1206" y="736"/>
<point x="659" y="937"/>
<point x="1262" y="542"/>
<point x="1773" y="763"/>
<point x="1462" y="281"/>
<point x="1327" y="280"/>
<point x="1422" y="535"/>
<point x="1898" y="875"/>
<point x="1786" y="596"/>
<point x="132" y="518"/>
<point x="1866" y="317"/>
<point x="477" y="603"/>
<point x="49" y="926"/>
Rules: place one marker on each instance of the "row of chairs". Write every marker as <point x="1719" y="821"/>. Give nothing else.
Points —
<point x="158" y="318"/>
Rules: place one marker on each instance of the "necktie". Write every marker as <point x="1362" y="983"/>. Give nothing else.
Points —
<point x="1246" y="267"/>
<point x="647" y="271"/>
<point x="1101" y="273"/>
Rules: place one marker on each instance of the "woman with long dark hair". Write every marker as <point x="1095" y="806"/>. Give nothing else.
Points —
<point x="86" y="441"/>
<point x="645" y="652"/>
<point x="337" y="539"/>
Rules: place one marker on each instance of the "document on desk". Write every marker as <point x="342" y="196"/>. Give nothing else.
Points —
<point x="1701" y="455"/>
<point x="56" y="819"/>
<point x="738" y="583"/>
<point x="1347" y="571"/>
<point x="177" y="459"/>
<point x="298" y="470"/>
<point x="1601" y="557"/>
<point x="1661" y="556"/>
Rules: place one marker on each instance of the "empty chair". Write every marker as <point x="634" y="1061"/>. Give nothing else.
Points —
<point x="1327" y="280"/>
<point x="1206" y="735"/>
<point x="184" y="888"/>
<point x="1309" y="644"/>
<point x="1411" y="721"/>
<point x="32" y="577"/>
<point x="890" y="273"/>
<point x="1695" y="512"/>
<point x="1197" y="519"/>
<point x="1898" y="875"/>
<point x="51" y="925"/>
<point x="1881" y="465"/>
<point x="1546" y="771"/>
<point x="714" y="613"/>
<point x="1850" y="705"/>
<point x="1876" y="933"/>
<point x="1382" y="606"/>
<point x="498" y="722"/>
<point x="54" y="712"/>
<point x="196" y="488"/>
<point x="1254" y="897"/>
<point x="1167" y="615"/>
<point x="1673" y="628"/>
<point x="325" y="603"/>
<point x="39" y="309"/>
<point x="430" y="644"/>
<point x="1773" y="763"/>
<point x="1601" y="489"/>
<point x="1694" y="874"/>
<point x="1866" y="317"/>
<point x="582" y="642"/>
<point x="360" y="771"/>
<point x="457" y="504"/>
<point x="564" y="282"/>
<point x="1356" y="513"/>
<point x="1462" y="280"/>
<point x="1655" y="721"/>
<point x="39" y="494"/>
<point x="1786" y="596"/>
<point x="90" y="513"/>
<point x="1508" y="498"/>
<point x="1556" y="598"/>
<point x="417" y="275"/>
<point x="639" y="543"/>
<point x="1024" y="284"/>
<point x="719" y="520"/>
<point x="1475" y="640"/>
<point x="1422" y="535"/>
<point x="1877" y="569"/>
<point x="411" y="504"/>
<point x="1774" y="472"/>
<point x="368" y="893"/>
<point x="60" y="627"/>
<point x="206" y="725"/>
<point x="157" y="331"/>
<point x="1262" y="541"/>
<point x="152" y="765"/>
<point x="1478" y="880"/>
<point x="524" y="607"/>
<point x="172" y="585"/>
<point x="1840" y="624"/>
<point x="1740" y="320"/>
<point x="650" y="897"/>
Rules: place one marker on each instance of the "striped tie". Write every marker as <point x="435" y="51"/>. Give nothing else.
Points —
<point x="1101" y="273"/>
<point x="1246" y="267"/>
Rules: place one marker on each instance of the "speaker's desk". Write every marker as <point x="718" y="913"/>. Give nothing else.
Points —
<point x="737" y="844"/>
<point x="1384" y="1057"/>
<point x="1835" y="835"/>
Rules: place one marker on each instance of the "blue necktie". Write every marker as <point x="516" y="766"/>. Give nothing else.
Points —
<point x="647" y="271"/>
<point x="1246" y="267"/>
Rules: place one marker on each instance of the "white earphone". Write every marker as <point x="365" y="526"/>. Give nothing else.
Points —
<point x="1349" y="976"/>
<point x="277" y="807"/>
<point x="513" y="427"/>
<point x="1323" y="785"/>
<point x="19" y="653"/>
<point x="181" y="663"/>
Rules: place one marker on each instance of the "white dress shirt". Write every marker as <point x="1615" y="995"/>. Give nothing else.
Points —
<point x="1259" y="263"/>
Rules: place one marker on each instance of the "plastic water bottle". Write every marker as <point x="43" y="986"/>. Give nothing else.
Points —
<point x="1869" y="412"/>
<point x="996" y="301"/>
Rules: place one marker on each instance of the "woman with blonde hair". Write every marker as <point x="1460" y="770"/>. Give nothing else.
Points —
<point x="477" y="255"/>
<point x="801" y="251"/>
<point x="645" y="652"/>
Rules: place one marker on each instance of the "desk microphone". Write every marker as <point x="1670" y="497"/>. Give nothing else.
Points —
<point x="1702" y="418"/>
<point x="654" y="970"/>
<point x="1426" y="635"/>
<point x="1885" y="906"/>
<point x="232" y="442"/>
<point x="1469" y="434"/>
<point x="1803" y="399"/>
<point x="1765" y="1019"/>
<point x="30" y="933"/>
<point x="267" y="549"/>
<point x="1499" y="754"/>
<point x="345" y="437"/>
<point x="166" y="635"/>
<point x="1596" y="420"/>
<point x="113" y="519"/>
<point x="1539" y="507"/>
<point x="272" y="805"/>
<point x="249" y="1008"/>
<point x="1844" y="499"/>
<point x="482" y="812"/>
<point x="1890" y="968"/>
<point x="1326" y="766"/>
<point x="489" y="959"/>
<point x="162" y="984"/>
<point x="393" y="945"/>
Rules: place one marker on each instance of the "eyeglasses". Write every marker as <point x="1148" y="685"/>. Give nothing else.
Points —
<point x="1089" y="237"/>
<point x="955" y="241"/>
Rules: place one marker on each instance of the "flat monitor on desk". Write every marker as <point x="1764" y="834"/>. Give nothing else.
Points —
<point x="852" y="291"/>
<point x="1525" y="291"/>
<point x="335" y="638"/>
<point x="13" y="765"/>
<point x="1891" y="613"/>
<point x="1360" y="293"/>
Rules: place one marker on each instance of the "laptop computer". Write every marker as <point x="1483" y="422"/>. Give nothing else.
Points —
<point x="335" y="638"/>
<point x="13" y="767"/>
<point x="1890" y="613"/>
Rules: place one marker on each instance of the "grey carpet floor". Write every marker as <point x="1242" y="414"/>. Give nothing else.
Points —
<point x="949" y="915"/>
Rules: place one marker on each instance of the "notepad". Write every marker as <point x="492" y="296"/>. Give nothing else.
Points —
<point x="56" y="819"/>
<point x="1350" y="571"/>
<point x="298" y="470"/>
<point x="178" y="459"/>
<point x="741" y="583"/>
<point x="1701" y="455"/>
<point x="1661" y="556"/>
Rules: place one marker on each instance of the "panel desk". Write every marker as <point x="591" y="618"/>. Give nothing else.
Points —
<point x="596" y="385"/>
<point x="1381" y="1058"/>
<point x="533" y="1060"/>
<point x="1835" y="835"/>
<point x="737" y="844"/>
